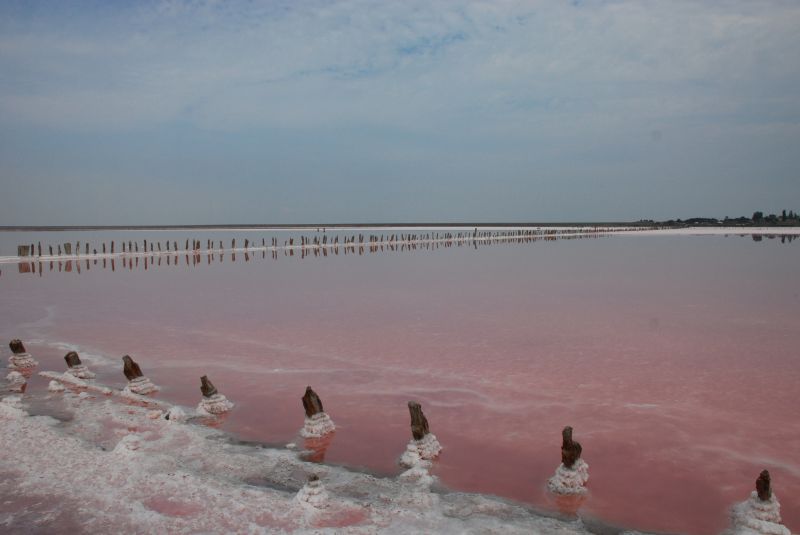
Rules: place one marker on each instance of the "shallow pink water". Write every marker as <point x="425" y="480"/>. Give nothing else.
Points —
<point x="674" y="358"/>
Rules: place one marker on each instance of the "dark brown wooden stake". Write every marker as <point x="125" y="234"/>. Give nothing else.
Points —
<point x="419" y="424"/>
<point x="570" y="450"/>
<point x="130" y="368"/>
<point x="72" y="359"/>
<point x="16" y="346"/>
<point x="764" y="486"/>
<point x="206" y="387"/>
<point x="311" y="402"/>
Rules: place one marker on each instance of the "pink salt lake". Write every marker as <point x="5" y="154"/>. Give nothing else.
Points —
<point x="675" y="359"/>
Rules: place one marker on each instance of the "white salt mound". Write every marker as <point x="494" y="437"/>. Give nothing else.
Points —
<point x="418" y="451"/>
<point x="81" y="372"/>
<point x="175" y="415"/>
<point x="317" y="426"/>
<point x="313" y="494"/>
<point x="74" y="381"/>
<point x="55" y="386"/>
<point x="216" y="404"/>
<point x="570" y="480"/>
<point x="141" y="385"/>
<point x="756" y="517"/>
<point x="16" y="381"/>
<point x="21" y="361"/>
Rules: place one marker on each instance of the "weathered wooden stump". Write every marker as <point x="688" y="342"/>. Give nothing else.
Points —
<point x="131" y="369"/>
<point x="570" y="449"/>
<point x="17" y="346"/>
<point x="419" y="424"/>
<point x="206" y="387"/>
<point x="764" y="486"/>
<point x="311" y="402"/>
<point x="72" y="359"/>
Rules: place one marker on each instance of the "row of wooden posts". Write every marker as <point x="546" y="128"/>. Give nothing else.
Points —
<point x="306" y="249"/>
<point x="317" y="241"/>
<point x="571" y="450"/>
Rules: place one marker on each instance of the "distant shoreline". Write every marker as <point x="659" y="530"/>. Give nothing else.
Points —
<point x="648" y="225"/>
<point x="305" y="226"/>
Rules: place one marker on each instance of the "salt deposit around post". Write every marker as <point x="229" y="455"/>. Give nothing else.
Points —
<point x="76" y="368"/>
<point x="317" y="422"/>
<point x="760" y="514"/>
<point x="213" y="402"/>
<point x="573" y="472"/>
<point x="137" y="382"/>
<point x="423" y="446"/>
<point x="130" y="472"/>
<point x="20" y="359"/>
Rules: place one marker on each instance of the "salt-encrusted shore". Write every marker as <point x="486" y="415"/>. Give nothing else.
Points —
<point x="115" y="466"/>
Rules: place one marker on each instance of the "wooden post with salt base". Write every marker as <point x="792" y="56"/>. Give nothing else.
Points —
<point x="761" y="512"/>
<point x="213" y="402"/>
<point x="137" y="382"/>
<point x="20" y="358"/>
<point x="424" y="445"/>
<point x="317" y="422"/>
<point x="76" y="368"/>
<point x="573" y="472"/>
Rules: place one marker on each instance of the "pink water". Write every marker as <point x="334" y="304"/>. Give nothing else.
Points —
<point x="675" y="359"/>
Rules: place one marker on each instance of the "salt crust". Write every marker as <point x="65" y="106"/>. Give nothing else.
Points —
<point x="191" y="478"/>
<point x="317" y="426"/>
<point x="216" y="404"/>
<point x="16" y="381"/>
<point x="417" y="451"/>
<point x="68" y="378"/>
<point x="142" y="386"/>
<point x="81" y="372"/>
<point x="21" y="361"/>
<point x="313" y="495"/>
<point x="55" y="386"/>
<point x="570" y="480"/>
<point x="756" y="517"/>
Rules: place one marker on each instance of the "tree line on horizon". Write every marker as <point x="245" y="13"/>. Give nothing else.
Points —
<point x="786" y="219"/>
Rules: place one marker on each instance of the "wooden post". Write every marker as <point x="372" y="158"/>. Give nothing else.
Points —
<point x="130" y="368"/>
<point x="764" y="486"/>
<point x="207" y="387"/>
<point x="570" y="449"/>
<point x="72" y="359"/>
<point x="419" y="424"/>
<point x="311" y="402"/>
<point x="16" y="346"/>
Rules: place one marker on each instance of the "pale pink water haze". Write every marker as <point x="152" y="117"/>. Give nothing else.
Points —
<point x="675" y="359"/>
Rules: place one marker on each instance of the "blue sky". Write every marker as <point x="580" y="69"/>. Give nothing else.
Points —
<point x="281" y="112"/>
